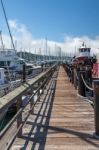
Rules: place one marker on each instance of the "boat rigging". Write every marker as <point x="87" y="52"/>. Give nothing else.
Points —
<point x="7" y="24"/>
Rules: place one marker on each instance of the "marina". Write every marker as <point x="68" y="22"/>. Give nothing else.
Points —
<point x="49" y="75"/>
<point x="43" y="110"/>
<point x="60" y="119"/>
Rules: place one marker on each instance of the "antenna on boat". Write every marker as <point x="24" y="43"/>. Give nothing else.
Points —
<point x="83" y="44"/>
<point x="7" y="24"/>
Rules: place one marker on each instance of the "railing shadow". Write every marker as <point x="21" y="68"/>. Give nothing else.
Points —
<point x="39" y="137"/>
<point x="84" y="136"/>
<point x="46" y="105"/>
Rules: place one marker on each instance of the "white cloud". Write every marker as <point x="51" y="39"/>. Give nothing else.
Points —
<point x="13" y="24"/>
<point x="72" y="44"/>
<point x="25" y="40"/>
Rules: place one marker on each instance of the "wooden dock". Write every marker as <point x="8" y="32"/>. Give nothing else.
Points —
<point x="62" y="122"/>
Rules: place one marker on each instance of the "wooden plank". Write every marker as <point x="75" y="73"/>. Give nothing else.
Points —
<point x="63" y="123"/>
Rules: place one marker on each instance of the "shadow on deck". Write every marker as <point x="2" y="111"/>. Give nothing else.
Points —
<point x="43" y="117"/>
<point x="50" y="127"/>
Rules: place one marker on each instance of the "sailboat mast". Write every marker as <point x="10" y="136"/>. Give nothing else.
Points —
<point x="7" y="24"/>
<point x="46" y="49"/>
<point x="1" y="40"/>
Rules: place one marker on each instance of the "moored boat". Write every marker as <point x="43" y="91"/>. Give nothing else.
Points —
<point x="83" y="54"/>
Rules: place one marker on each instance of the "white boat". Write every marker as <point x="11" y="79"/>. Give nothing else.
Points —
<point x="83" y="53"/>
<point x="9" y="58"/>
<point x="3" y="82"/>
<point x="3" y="86"/>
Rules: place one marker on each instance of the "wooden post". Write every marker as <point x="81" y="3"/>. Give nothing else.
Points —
<point x="81" y="86"/>
<point x="41" y="67"/>
<point x="89" y="79"/>
<point x="67" y="70"/>
<point x="31" y="101"/>
<point x="96" y="106"/>
<point x="45" y="66"/>
<point x="24" y="73"/>
<point x="72" y="75"/>
<point x="38" y="93"/>
<point x="19" y="118"/>
<point x="42" y="88"/>
<point x="75" y="78"/>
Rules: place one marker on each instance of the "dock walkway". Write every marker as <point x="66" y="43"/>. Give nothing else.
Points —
<point x="64" y="122"/>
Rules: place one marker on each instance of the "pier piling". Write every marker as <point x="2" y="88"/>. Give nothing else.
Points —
<point x="96" y="106"/>
<point x="81" y="86"/>
<point x="75" y="78"/>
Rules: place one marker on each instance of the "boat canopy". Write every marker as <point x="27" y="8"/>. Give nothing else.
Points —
<point x="84" y="49"/>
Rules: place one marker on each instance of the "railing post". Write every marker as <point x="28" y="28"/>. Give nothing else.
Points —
<point x="72" y="75"/>
<point x="31" y="101"/>
<point x="42" y="66"/>
<point x="81" y="86"/>
<point x="66" y="68"/>
<point x="24" y="73"/>
<point x="96" y="106"/>
<point x="89" y="79"/>
<point x="75" y="78"/>
<point x="45" y="67"/>
<point x="38" y="93"/>
<point x="42" y="88"/>
<point x="19" y="118"/>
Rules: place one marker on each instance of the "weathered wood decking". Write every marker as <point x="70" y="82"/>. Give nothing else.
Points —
<point x="65" y="122"/>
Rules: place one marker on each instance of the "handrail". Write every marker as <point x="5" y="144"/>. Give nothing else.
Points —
<point x="11" y="97"/>
<point x="12" y="140"/>
<point x="20" y="111"/>
<point x="46" y="78"/>
<point x="19" y="75"/>
<point x="90" y="88"/>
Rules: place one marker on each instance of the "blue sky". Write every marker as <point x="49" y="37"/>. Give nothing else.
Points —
<point x="62" y="21"/>
<point x="55" y="18"/>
